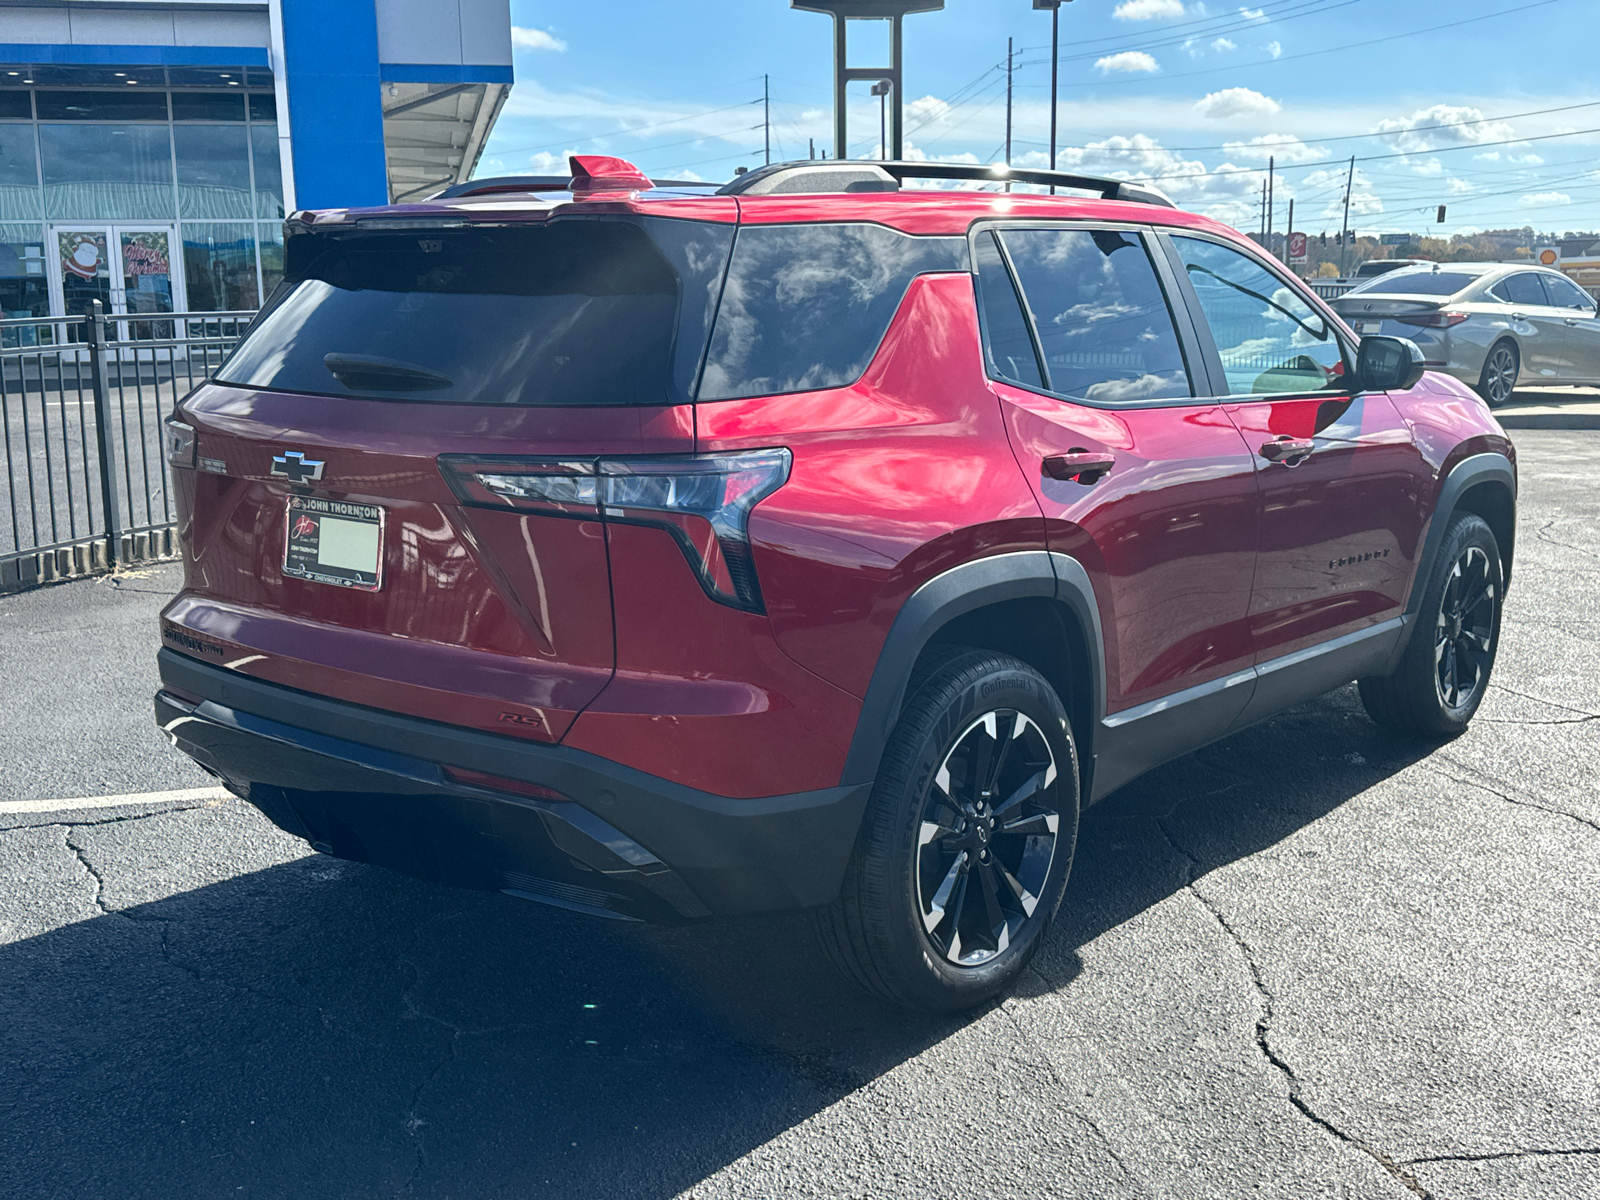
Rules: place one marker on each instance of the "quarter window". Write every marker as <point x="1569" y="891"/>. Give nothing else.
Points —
<point x="1006" y="339"/>
<point x="1270" y="339"/>
<point x="1104" y="327"/>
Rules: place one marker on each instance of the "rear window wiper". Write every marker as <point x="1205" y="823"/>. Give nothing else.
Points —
<point x="369" y="373"/>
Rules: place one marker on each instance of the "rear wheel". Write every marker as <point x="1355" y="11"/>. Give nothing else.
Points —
<point x="1499" y="377"/>
<point x="1444" y="673"/>
<point x="967" y="841"/>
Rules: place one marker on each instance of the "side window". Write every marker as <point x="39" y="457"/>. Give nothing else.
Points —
<point x="1104" y="327"/>
<point x="805" y="306"/>
<point x="1006" y="339"/>
<point x="1521" y="288"/>
<point x="1566" y="294"/>
<point x="1270" y="339"/>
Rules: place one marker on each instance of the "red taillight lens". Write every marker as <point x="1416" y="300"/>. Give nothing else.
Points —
<point x="702" y="500"/>
<point x="1435" y="320"/>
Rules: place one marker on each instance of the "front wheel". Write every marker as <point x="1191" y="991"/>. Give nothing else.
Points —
<point x="967" y="841"/>
<point x="1499" y="377"/>
<point x="1444" y="672"/>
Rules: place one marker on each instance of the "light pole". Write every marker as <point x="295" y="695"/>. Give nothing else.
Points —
<point x="881" y="90"/>
<point x="1055" y="70"/>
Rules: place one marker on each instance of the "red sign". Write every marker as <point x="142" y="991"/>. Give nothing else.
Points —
<point x="1297" y="248"/>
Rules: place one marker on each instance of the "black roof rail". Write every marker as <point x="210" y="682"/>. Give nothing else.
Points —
<point x="537" y="183"/>
<point x="873" y="175"/>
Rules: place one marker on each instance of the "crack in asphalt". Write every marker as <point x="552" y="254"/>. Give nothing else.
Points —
<point x="1045" y="1061"/>
<point x="1483" y="784"/>
<point x="83" y="861"/>
<point x="1543" y="534"/>
<point x="1396" y="1170"/>
<point x="48" y="819"/>
<point x="1495" y="1155"/>
<point x="1582" y="712"/>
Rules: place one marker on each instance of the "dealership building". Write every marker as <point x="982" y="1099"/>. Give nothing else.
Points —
<point x="150" y="149"/>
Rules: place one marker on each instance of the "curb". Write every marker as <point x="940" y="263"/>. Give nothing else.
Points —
<point x="1548" y="420"/>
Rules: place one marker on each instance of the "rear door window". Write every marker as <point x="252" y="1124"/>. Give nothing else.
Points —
<point x="1271" y="340"/>
<point x="581" y="311"/>
<point x="1521" y="288"/>
<point x="1105" y="331"/>
<point x="1007" y="341"/>
<point x="805" y="306"/>
<point x="1566" y="294"/>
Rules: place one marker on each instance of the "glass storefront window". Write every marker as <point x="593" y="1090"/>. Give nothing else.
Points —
<point x="263" y="107"/>
<point x="219" y="267"/>
<point x="19" y="174"/>
<point x="269" y="176"/>
<point x="208" y="106"/>
<point x="107" y="172"/>
<point x="17" y="106"/>
<point x="24" y="285"/>
<point x="271" y="259"/>
<point x="102" y="106"/>
<point x="213" y="171"/>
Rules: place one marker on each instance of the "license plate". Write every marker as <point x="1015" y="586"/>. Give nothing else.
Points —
<point x="1369" y="327"/>
<point x="328" y="541"/>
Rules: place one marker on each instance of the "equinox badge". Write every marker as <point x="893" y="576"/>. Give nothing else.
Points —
<point x="296" y="467"/>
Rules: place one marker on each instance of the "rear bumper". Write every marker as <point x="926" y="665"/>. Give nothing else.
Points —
<point x="372" y="786"/>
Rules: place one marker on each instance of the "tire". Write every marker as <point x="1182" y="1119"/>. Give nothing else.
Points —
<point x="1444" y="672"/>
<point x="927" y="918"/>
<point x="1498" y="378"/>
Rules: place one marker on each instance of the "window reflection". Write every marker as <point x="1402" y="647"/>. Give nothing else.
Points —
<point x="213" y="171"/>
<point x="107" y="172"/>
<point x="219" y="267"/>
<point x="1270" y="339"/>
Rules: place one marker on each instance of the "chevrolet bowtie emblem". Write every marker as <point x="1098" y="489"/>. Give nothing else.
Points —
<point x="296" y="467"/>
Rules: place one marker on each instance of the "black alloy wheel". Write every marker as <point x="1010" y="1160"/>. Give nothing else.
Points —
<point x="987" y="837"/>
<point x="1464" y="633"/>
<point x="1443" y="673"/>
<point x="967" y="840"/>
<point x="1499" y="378"/>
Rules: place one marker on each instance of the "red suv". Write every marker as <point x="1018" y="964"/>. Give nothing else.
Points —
<point x="661" y="552"/>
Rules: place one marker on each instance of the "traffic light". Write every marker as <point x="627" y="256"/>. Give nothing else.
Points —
<point x="1441" y="214"/>
<point x="1324" y="237"/>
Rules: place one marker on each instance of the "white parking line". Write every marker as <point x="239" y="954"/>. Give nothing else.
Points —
<point x="12" y="807"/>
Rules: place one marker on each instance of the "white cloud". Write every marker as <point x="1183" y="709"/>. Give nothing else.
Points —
<point x="1458" y="187"/>
<point x="1282" y="146"/>
<point x="1237" y="102"/>
<point x="1547" y="198"/>
<point x="1431" y="167"/>
<point x="1411" y="135"/>
<point x="1275" y="49"/>
<point x="1147" y="10"/>
<point x="927" y="110"/>
<point x="1330" y="181"/>
<point x="1127" y="61"/>
<point x="535" y="39"/>
<point x="1191" y="49"/>
<point x="1222" y="44"/>
<point x="1253" y="14"/>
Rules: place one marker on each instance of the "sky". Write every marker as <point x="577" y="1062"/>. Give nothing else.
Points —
<point x="1490" y="107"/>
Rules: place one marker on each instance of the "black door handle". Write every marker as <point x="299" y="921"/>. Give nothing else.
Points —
<point x="1290" y="451"/>
<point x="1084" y="466"/>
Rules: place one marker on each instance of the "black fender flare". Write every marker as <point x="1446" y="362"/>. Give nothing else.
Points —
<point x="1487" y="467"/>
<point x="948" y="595"/>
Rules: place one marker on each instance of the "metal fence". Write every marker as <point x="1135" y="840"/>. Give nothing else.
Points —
<point x="82" y="400"/>
<point x="1330" y="289"/>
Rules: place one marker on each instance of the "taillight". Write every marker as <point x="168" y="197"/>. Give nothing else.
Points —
<point x="703" y="501"/>
<point x="1434" y="320"/>
<point x="180" y="443"/>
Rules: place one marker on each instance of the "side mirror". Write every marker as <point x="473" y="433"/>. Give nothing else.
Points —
<point x="1388" y="364"/>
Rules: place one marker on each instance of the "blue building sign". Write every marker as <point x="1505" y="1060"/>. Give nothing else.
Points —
<point x="150" y="149"/>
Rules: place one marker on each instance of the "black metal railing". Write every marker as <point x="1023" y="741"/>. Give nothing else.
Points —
<point x="82" y="400"/>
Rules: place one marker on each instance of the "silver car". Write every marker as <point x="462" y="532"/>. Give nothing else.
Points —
<point x="1492" y="325"/>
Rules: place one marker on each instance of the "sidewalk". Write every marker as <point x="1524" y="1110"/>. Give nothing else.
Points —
<point x="1551" y="408"/>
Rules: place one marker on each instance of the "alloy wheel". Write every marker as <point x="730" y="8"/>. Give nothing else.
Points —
<point x="1501" y="375"/>
<point x="987" y="837"/>
<point x="1464" y="637"/>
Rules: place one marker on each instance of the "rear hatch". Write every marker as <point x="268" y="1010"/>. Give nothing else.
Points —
<point x="344" y="530"/>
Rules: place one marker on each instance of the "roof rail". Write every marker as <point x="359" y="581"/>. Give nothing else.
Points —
<point x="813" y="175"/>
<point x="545" y="183"/>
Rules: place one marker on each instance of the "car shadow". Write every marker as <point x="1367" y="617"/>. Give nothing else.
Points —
<point x="319" y="1028"/>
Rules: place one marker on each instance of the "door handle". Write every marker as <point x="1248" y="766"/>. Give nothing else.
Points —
<point x="1572" y="320"/>
<point x="1290" y="451"/>
<point x="1519" y="316"/>
<point x="1084" y="466"/>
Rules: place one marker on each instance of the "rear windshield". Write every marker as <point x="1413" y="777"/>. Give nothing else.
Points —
<point x="1419" y="283"/>
<point x="583" y="311"/>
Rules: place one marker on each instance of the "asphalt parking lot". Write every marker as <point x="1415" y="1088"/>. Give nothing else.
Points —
<point x="1309" y="961"/>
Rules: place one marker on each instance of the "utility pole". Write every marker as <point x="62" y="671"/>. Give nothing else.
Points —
<point x="1261" y="220"/>
<point x="1287" y="234"/>
<point x="766" y="114"/>
<point x="1271" y="165"/>
<point x="1344" y="234"/>
<point x="811" y="147"/>
<point x="1008" y="102"/>
<point x="1055" y="75"/>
